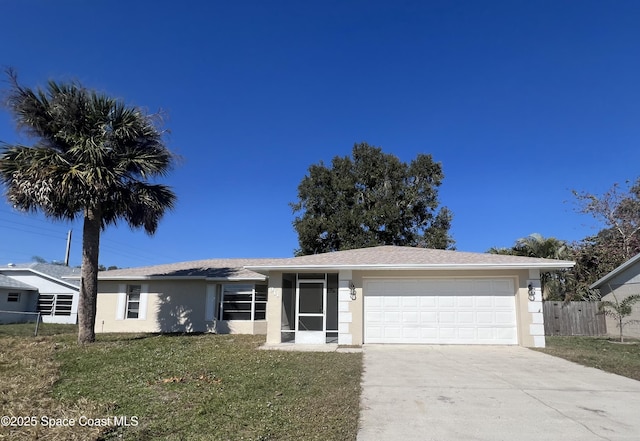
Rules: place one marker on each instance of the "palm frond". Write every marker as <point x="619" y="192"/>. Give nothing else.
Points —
<point x="91" y="151"/>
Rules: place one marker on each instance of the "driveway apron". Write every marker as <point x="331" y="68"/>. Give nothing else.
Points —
<point x="491" y="393"/>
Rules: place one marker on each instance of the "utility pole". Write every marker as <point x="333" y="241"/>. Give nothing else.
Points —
<point x="66" y="255"/>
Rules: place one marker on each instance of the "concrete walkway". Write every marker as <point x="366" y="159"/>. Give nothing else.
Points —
<point x="491" y="393"/>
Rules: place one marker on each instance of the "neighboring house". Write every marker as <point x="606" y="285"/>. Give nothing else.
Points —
<point x="385" y="294"/>
<point x="54" y="290"/>
<point x="16" y="297"/>
<point x="622" y="282"/>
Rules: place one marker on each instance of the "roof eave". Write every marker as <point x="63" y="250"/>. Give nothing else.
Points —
<point x="45" y="276"/>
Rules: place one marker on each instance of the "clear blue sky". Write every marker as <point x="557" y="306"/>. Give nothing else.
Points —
<point x="521" y="101"/>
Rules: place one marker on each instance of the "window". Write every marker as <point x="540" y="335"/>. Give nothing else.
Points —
<point x="133" y="301"/>
<point x="13" y="297"/>
<point x="244" y="302"/>
<point x="260" y="302"/>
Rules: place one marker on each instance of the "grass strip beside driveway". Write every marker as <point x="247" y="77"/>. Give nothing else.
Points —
<point x="205" y="387"/>
<point x="600" y="353"/>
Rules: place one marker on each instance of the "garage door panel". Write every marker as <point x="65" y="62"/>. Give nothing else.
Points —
<point x="440" y="311"/>
<point x="504" y="302"/>
<point x="446" y="317"/>
<point x="467" y="334"/>
<point x="392" y="332"/>
<point x="445" y="332"/>
<point x="392" y="317"/>
<point x="427" y="333"/>
<point x="484" y="302"/>
<point x="507" y="334"/>
<point x="411" y="318"/>
<point x="428" y="302"/>
<point x="486" y="334"/>
<point x="465" y="317"/>
<point x="375" y="317"/>
<point x="410" y="301"/>
<point x="411" y="333"/>
<point x="428" y="318"/>
<point x="391" y="302"/>
<point x="485" y="317"/>
<point x="505" y="318"/>
<point x="446" y="301"/>
<point x="464" y="301"/>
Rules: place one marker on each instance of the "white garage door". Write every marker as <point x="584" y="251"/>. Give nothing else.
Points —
<point x="440" y="311"/>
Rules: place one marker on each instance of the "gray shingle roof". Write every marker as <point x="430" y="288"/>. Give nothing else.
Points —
<point x="62" y="273"/>
<point x="396" y="257"/>
<point x="383" y="257"/>
<point x="223" y="269"/>
<point x="9" y="283"/>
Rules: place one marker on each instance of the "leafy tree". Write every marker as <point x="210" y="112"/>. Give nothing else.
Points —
<point x="620" y="310"/>
<point x="92" y="157"/>
<point x="619" y="210"/>
<point x="596" y="256"/>
<point x="369" y="199"/>
<point x="555" y="284"/>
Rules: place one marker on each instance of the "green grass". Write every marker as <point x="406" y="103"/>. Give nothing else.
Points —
<point x="191" y="387"/>
<point x="28" y="329"/>
<point x="601" y="353"/>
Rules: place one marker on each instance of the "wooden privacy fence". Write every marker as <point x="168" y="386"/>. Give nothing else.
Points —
<point x="573" y="318"/>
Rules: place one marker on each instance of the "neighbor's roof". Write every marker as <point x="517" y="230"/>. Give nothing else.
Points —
<point x="406" y="258"/>
<point x="9" y="283"/>
<point x="61" y="273"/>
<point x="211" y="269"/>
<point x="629" y="263"/>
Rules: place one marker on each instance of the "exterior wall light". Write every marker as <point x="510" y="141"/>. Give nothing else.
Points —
<point x="532" y="293"/>
<point x="352" y="290"/>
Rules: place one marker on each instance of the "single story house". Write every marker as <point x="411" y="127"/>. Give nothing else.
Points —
<point x="384" y="294"/>
<point x="622" y="282"/>
<point x="39" y="287"/>
<point x="16" y="298"/>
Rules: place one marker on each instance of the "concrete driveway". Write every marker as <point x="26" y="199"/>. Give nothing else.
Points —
<point x="492" y="393"/>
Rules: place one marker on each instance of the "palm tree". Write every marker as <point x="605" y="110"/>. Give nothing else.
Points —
<point x="620" y="310"/>
<point x="535" y="245"/>
<point x="92" y="157"/>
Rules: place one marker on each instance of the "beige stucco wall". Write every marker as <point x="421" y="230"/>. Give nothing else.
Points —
<point x="524" y="313"/>
<point x="172" y="306"/>
<point x="274" y="308"/>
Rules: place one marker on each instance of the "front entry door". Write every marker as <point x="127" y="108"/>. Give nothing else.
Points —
<point x="310" y="307"/>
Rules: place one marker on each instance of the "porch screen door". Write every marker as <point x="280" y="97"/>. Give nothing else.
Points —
<point x="310" y="311"/>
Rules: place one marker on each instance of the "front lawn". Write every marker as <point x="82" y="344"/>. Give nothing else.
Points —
<point x="601" y="353"/>
<point x="183" y="387"/>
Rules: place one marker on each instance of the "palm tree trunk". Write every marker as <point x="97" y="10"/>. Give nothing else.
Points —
<point x="89" y="276"/>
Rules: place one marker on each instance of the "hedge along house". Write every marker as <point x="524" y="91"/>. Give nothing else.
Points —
<point x="216" y="295"/>
<point x="391" y="294"/>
